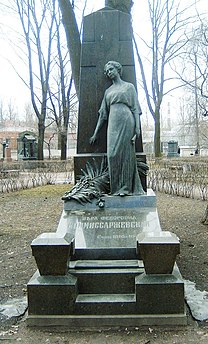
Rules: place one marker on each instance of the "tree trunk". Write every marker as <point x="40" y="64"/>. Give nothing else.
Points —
<point x="62" y="141"/>
<point x="59" y="138"/>
<point x="73" y="39"/>
<point x="157" y="143"/>
<point x="66" y="113"/>
<point x="41" y="134"/>
<point x="63" y="146"/>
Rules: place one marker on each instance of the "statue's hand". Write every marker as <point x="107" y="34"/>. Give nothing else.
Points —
<point x="93" y="139"/>
<point x="137" y="132"/>
<point x="133" y="139"/>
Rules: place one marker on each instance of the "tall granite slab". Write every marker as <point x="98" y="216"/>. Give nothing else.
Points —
<point x="107" y="35"/>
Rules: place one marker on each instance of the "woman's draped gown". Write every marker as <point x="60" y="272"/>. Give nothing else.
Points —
<point x="119" y="107"/>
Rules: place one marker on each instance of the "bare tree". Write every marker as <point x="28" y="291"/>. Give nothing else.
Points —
<point x="194" y="74"/>
<point x="29" y="116"/>
<point x="46" y="57"/>
<point x="1" y="112"/>
<point x="60" y="91"/>
<point x="8" y="112"/>
<point x="11" y="110"/>
<point x="194" y="65"/>
<point x="48" y="143"/>
<point x="192" y="129"/>
<point x="35" y="18"/>
<point x="168" y="25"/>
<point x="62" y="103"/>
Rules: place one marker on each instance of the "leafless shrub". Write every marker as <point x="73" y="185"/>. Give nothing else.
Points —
<point x="30" y="174"/>
<point x="48" y="178"/>
<point x="182" y="178"/>
<point x="202" y="181"/>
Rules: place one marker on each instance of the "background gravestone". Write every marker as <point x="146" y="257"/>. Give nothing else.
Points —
<point x="107" y="35"/>
<point x="172" y="149"/>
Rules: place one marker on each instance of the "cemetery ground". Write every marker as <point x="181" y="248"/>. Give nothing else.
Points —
<point x="28" y="213"/>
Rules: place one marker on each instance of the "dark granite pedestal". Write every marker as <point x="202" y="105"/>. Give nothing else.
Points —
<point x="105" y="284"/>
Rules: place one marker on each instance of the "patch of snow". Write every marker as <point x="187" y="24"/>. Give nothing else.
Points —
<point x="14" y="307"/>
<point x="197" y="301"/>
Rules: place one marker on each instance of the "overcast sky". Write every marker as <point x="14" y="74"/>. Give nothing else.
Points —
<point x="10" y="84"/>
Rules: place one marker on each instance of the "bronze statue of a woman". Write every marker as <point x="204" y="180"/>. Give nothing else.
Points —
<point x="120" y="107"/>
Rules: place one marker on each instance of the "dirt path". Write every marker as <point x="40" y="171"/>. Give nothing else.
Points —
<point x="26" y="214"/>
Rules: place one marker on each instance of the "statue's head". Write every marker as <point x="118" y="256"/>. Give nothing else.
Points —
<point x="116" y="65"/>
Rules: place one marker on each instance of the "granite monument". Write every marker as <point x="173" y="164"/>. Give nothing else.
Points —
<point x="109" y="264"/>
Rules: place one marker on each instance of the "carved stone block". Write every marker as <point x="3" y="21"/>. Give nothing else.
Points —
<point x="52" y="253"/>
<point x="158" y="251"/>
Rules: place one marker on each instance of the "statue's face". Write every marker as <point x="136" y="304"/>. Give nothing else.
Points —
<point x="112" y="72"/>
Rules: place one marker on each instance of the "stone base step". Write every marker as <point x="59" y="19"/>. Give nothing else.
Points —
<point x="103" y="298"/>
<point x="97" y="322"/>
<point x="105" y="253"/>
<point x="111" y="277"/>
<point x="109" y="264"/>
<point x="105" y="304"/>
